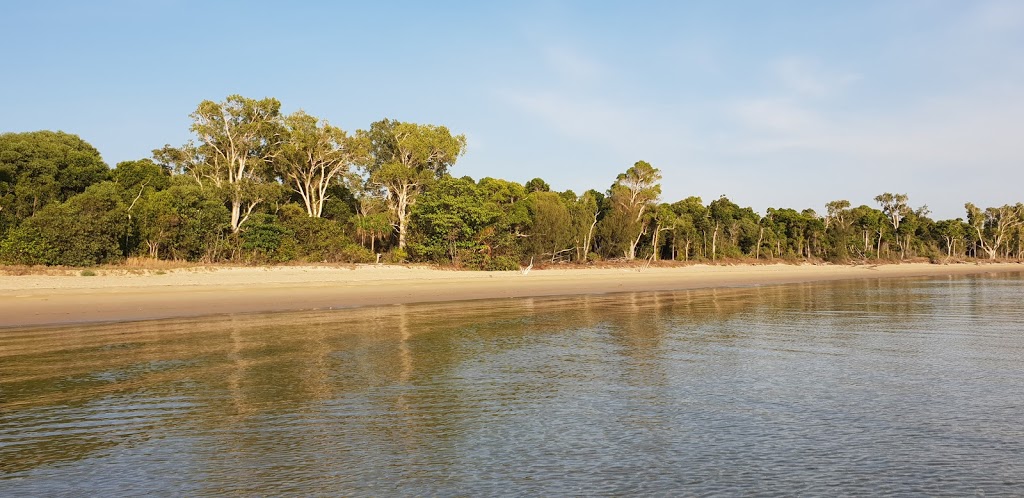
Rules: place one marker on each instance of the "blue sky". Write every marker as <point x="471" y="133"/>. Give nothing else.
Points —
<point x="774" y="104"/>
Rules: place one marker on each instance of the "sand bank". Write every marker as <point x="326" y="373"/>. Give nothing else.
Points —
<point x="36" y="300"/>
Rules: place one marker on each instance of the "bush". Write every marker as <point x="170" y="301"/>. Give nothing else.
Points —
<point x="354" y="253"/>
<point x="262" y="239"/>
<point x="472" y="260"/>
<point x="87" y="230"/>
<point x="502" y="263"/>
<point x="396" y="256"/>
<point x="182" y="222"/>
<point x="319" y="239"/>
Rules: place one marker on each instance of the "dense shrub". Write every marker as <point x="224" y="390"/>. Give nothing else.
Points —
<point x="261" y="240"/>
<point x="42" y="167"/>
<point x="319" y="239"/>
<point x="183" y="222"/>
<point x="88" y="229"/>
<point x="502" y="263"/>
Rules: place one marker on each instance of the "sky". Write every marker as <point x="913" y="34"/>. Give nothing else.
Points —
<point x="773" y="104"/>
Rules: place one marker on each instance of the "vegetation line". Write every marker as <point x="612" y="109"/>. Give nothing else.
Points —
<point x="256" y="186"/>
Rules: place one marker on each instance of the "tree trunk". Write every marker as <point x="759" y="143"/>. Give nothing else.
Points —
<point x="403" y="222"/>
<point x="590" y="237"/>
<point x="236" y="215"/>
<point x="654" y="242"/>
<point x="714" y="243"/>
<point x="760" y="237"/>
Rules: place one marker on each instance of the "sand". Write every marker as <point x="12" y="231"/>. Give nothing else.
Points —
<point x="46" y="300"/>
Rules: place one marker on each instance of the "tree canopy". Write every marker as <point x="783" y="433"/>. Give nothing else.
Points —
<point x="258" y="186"/>
<point x="41" y="167"/>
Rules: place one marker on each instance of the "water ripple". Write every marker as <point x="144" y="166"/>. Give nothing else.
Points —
<point x="910" y="387"/>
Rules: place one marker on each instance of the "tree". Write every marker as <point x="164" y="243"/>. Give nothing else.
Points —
<point x="183" y="222"/>
<point x="313" y="157"/>
<point x="537" y="185"/>
<point x="870" y="222"/>
<point x="837" y="230"/>
<point x="86" y="230"/>
<point x="736" y="230"/>
<point x="448" y="220"/>
<point x="403" y="158"/>
<point x="690" y="227"/>
<point x="509" y="204"/>
<point x="133" y="175"/>
<point x="238" y="139"/>
<point x="952" y="233"/>
<point x="837" y="213"/>
<point x="664" y="221"/>
<point x="993" y="225"/>
<point x="551" y="233"/>
<point x="370" y="218"/>
<point x="40" y="167"/>
<point x="632" y="194"/>
<point x="583" y="213"/>
<point x="895" y="208"/>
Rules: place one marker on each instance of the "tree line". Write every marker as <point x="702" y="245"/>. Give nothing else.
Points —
<point x="258" y="186"/>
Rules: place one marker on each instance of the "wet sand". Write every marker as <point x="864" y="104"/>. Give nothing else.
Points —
<point x="40" y="300"/>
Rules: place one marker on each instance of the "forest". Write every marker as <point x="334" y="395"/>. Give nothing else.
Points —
<point x="255" y="186"/>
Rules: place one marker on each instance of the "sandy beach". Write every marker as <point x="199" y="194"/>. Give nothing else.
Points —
<point x="109" y="296"/>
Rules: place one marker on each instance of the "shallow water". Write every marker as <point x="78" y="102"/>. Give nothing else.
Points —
<point x="910" y="386"/>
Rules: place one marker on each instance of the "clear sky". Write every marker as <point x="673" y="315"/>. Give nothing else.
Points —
<point x="772" y="103"/>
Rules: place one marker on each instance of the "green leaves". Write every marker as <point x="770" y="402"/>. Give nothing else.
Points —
<point x="38" y="168"/>
<point x="86" y="230"/>
<point x="403" y="158"/>
<point x="632" y="195"/>
<point x="417" y="147"/>
<point x="238" y="138"/>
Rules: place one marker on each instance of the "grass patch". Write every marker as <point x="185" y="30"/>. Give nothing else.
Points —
<point x="88" y="273"/>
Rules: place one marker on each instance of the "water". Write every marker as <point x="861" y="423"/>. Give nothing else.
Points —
<point x="896" y="386"/>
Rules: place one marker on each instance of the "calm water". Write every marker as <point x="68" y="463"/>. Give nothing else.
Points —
<point x="912" y="386"/>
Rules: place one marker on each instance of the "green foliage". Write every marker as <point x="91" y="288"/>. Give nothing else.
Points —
<point x="629" y="198"/>
<point x="42" y="167"/>
<point x="502" y="263"/>
<point x="86" y="230"/>
<point x="314" y="157"/>
<point x="448" y="219"/>
<point x="184" y="222"/>
<point x="131" y="175"/>
<point x="237" y="140"/>
<point x="551" y="232"/>
<point x="404" y="158"/>
<point x="509" y="204"/>
<point x="583" y="216"/>
<point x="371" y="227"/>
<point x="263" y="237"/>
<point x="319" y="239"/>
<point x="537" y="185"/>
<point x="223" y="197"/>
<point x="396" y="255"/>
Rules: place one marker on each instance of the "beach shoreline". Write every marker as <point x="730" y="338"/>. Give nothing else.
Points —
<point x="53" y="300"/>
